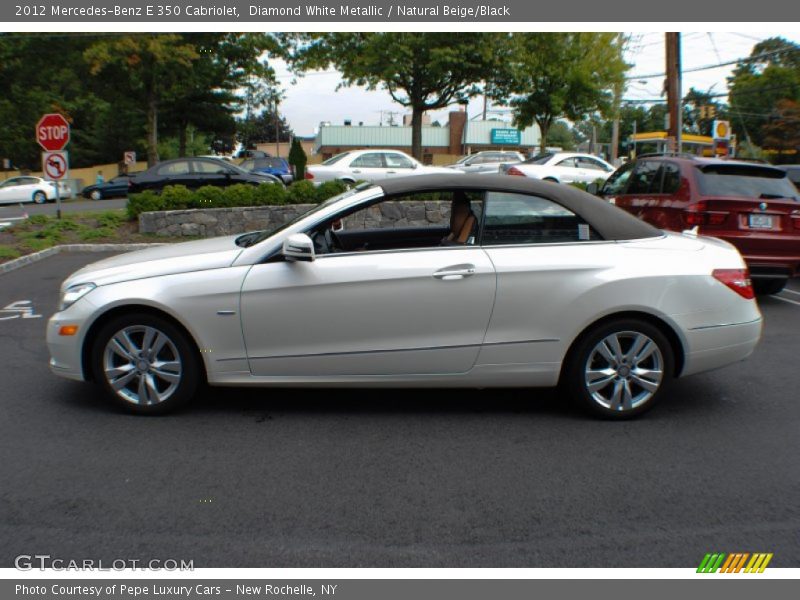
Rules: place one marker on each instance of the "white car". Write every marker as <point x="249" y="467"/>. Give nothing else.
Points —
<point x="550" y="286"/>
<point x="27" y="188"/>
<point x="369" y="165"/>
<point x="488" y="161"/>
<point x="563" y="167"/>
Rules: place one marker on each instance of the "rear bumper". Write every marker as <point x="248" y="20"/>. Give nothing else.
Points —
<point x="720" y="345"/>
<point x="770" y="267"/>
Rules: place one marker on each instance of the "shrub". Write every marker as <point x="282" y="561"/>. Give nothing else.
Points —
<point x="143" y="202"/>
<point x="176" y="197"/>
<point x="208" y="196"/>
<point x="329" y="189"/>
<point x="241" y="194"/>
<point x="298" y="160"/>
<point x="302" y="192"/>
<point x="267" y="194"/>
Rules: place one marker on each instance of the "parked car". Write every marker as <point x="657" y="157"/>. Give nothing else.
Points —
<point x="272" y="165"/>
<point x="27" y="188"/>
<point x="252" y="154"/>
<point x="116" y="187"/>
<point x="488" y="161"/>
<point x="369" y="165"/>
<point x="194" y="173"/>
<point x="550" y="286"/>
<point x="563" y="167"/>
<point x="752" y="206"/>
<point x="794" y="174"/>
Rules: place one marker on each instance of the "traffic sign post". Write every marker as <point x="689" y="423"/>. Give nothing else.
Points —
<point x="52" y="134"/>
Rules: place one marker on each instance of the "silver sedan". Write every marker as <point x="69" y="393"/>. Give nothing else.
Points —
<point x="431" y="281"/>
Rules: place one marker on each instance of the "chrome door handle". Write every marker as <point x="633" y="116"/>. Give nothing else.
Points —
<point x="356" y="170"/>
<point x="391" y="172"/>
<point x="454" y="273"/>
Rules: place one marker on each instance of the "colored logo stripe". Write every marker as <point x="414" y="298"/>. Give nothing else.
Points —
<point x="734" y="563"/>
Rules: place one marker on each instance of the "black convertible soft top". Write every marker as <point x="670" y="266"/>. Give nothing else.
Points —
<point x="610" y="222"/>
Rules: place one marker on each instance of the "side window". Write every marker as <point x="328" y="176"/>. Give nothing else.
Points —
<point x="248" y="165"/>
<point x="418" y="220"/>
<point x="616" y="184"/>
<point x="372" y="160"/>
<point x="646" y="178"/>
<point x="180" y="167"/>
<point x="397" y="161"/>
<point x="590" y="163"/>
<point x="672" y="178"/>
<point x="207" y="166"/>
<point x="567" y="162"/>
<point x="523" y="219"/>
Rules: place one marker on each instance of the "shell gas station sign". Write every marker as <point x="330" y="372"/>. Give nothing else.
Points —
<point x="721" y="132"/>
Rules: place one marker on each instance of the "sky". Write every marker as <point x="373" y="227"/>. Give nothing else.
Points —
<point x="314" y="98"/>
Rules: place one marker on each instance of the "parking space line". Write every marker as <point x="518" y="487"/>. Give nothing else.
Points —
<point x="795" y="302"/>
<point x="791" y="291"/>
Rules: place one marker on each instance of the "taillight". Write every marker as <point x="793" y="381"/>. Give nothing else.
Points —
<point x="736" y="279"/>
<point x="795" y="219"/>
<point x="515" y="171"/>
<point x="700" y="215"/>
<point x="309" y="175"/>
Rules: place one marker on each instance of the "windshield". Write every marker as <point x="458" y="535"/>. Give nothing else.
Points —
<point x="254" y="237"/>
<point x="335" y="159"/>
<point x="541" y="159"/>
<point x="746" y="182"/>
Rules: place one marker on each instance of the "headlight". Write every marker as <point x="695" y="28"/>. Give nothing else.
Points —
<point x="75" y="293"/>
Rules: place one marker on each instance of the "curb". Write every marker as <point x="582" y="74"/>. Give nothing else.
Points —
<point x="29" y="259"/>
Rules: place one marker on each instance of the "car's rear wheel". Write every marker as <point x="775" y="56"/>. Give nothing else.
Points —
<point x="96" y="195"/>
<point x="39" y="197"/>
<point x="767" y="287"/>
<point x="618" y="370"/>
<point x="550" y="179"/>
<point x="146" y="364"/>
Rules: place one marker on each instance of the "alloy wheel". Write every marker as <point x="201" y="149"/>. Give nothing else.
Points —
<point x="142" y="365"/>
<point x="624" y="370"/>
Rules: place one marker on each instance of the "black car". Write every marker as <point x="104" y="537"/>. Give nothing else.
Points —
<point x="195" y="173"/>
<point x="116" y="187"/>
<point x="794" y="173"/>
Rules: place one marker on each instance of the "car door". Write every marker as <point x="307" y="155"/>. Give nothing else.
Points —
<point x="393" y="312"/>
<point x="567" y="170"/>
<point x="643" y="188"/>
<point x="591" y="169"/>
<point x="546" y="258"/>
<point x="177" y="172"/>
<point x="209" y="172"/>
<point x="368" y="166"/>
<point x="12" y="191"/>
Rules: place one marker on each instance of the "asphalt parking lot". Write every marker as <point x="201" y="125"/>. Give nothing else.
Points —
<point x="379" y="478"/>
<point x="74" y="205"/>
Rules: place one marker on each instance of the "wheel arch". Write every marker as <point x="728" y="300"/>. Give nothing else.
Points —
<point x="678" y="349"/>
<point x="115" y="311"/>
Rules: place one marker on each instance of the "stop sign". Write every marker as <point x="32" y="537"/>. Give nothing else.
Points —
<point x="52" y="132"/>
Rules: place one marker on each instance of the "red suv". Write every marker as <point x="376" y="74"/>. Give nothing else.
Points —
<point x="753" y="206"/>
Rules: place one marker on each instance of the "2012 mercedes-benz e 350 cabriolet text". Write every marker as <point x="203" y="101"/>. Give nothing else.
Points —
<point x="430" y="281"/>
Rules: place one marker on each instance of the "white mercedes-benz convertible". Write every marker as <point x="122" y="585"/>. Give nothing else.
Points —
<point x="429" y="281"/>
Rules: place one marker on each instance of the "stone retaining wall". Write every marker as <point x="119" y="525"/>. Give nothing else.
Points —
<point x="210" y="222"/>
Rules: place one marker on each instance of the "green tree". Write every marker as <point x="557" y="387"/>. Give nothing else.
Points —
<point x="551" y="76"/>
<point x="298" y="160"/>
<point x="421" y="71"/>
<point x="261" y="128"/>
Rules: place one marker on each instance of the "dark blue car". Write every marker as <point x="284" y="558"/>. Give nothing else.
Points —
<point x="116" y="187"/>
<point x="272" y="165"/>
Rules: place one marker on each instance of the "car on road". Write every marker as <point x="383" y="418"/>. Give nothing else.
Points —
<point x="195" y="173"/>
<point x="369" y="165"/>
<point x="488" y="161"/>
<point x="116" y="187"/>
<point x="27" y="188"/>
<point x="562" y="167"/>
<point x="432" y="281"/>
<point x="753" y="206"/>
<point x="272" y="165"/>
<point x="794" y="174"/>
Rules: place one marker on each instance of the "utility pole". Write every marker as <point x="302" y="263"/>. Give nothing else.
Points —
<point x="277" y="131"/>
<point x="614" y="155"/>
<point x="673" y="85"/>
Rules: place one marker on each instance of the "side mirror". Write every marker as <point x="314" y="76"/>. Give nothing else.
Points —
<point x="414" y="165"/>
<point x="593" y="188"/>
<point x="298" y="247"/>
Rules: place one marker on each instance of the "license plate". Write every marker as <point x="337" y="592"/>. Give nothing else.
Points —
<point x="761" y="221"/>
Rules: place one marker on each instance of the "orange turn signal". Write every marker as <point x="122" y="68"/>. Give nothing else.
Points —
<point x="68" y="330"/>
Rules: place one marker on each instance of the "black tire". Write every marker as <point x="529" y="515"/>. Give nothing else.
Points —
<point x="95" y="195"/>
<point x="767" y="287"/>
<point x="578" y="365"/>
<point x="550" y="179"/>
<point x="39" y="197"/>
<point x="181" y="349"/>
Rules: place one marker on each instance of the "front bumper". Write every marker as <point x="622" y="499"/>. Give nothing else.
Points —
<point x="66" y="351"/>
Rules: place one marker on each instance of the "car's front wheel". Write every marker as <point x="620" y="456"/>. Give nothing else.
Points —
<point x="619" y="369"/>
<point x="146" y="364"/>
<point x="96" y="195"/>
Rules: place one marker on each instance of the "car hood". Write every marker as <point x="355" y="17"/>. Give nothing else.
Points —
<point x="166" y="259"/>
